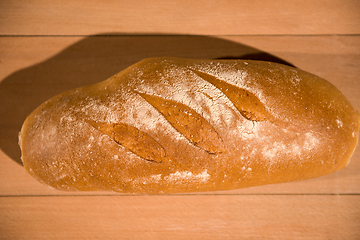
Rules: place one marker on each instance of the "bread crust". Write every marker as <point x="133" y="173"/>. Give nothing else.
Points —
<point x="170" y="125"/>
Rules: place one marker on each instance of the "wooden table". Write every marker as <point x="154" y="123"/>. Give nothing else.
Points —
<point x="47" y="47"/>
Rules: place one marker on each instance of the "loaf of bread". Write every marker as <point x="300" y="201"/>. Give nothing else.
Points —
<point x="170" y="125"/>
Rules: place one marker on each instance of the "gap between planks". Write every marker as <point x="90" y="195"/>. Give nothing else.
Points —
<point x="197" y="194"/>
<point x="178" y="35"/>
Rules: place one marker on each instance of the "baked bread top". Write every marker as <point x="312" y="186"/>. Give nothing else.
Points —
<point x="167" y="125"/>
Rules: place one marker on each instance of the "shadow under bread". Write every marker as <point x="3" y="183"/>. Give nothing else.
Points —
<point x="94" y="59"/>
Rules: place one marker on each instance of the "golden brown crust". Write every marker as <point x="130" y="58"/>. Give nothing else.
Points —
<point x="245" y="102"/>
<point x="136" y="141"/>
<point x="167" y="125"/>
<point x="188" y="122"/>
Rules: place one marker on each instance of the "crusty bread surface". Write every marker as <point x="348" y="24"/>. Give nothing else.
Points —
<point x="171" y="125"/>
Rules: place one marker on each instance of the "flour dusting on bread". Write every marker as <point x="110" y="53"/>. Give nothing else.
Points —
<point x="170" y="125"/>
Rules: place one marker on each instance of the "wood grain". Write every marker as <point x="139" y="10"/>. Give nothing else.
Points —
<point x="47" y="47"/>
<point x="181" y="217"/>
<point x="203" y="17"/>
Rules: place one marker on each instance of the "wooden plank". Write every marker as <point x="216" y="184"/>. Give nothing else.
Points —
<point x="231" y="17"/>
<point x="181" y="217"/>
<point x="33" y="69"/>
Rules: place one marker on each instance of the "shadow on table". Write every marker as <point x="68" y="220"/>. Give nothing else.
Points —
<point x="94" y="59"/>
